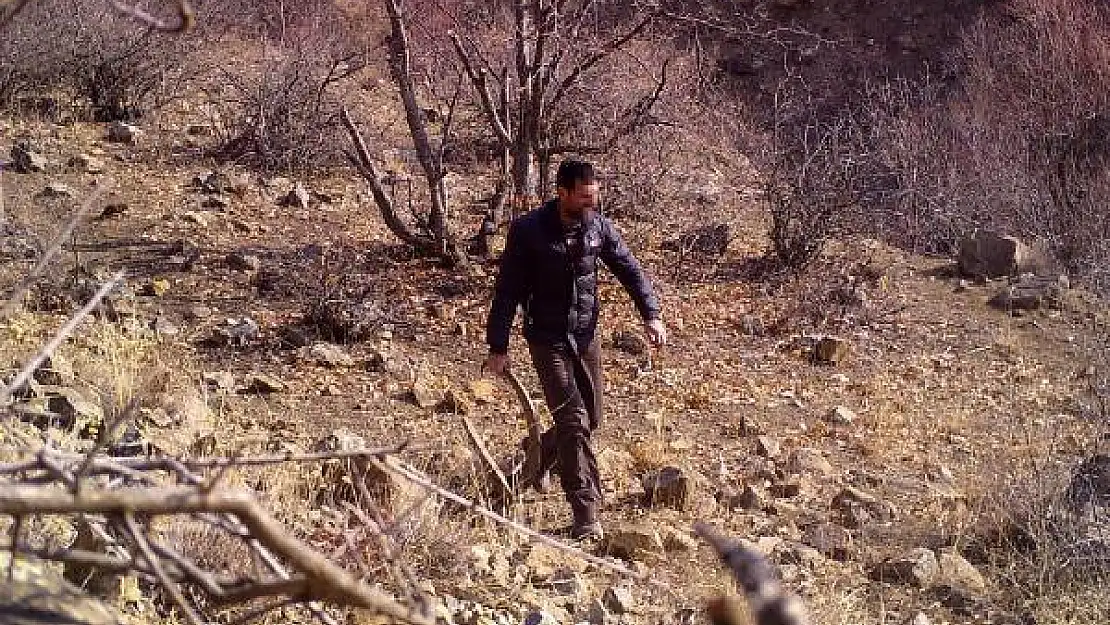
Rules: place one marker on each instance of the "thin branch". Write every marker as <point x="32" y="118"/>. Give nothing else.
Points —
<point x="326" y="580"/>
<point x="589" y="62"/>
<point x="63" y="235"/>
<point x="481" y="85"/>
<point x="397" y="468"/>
<point x="28" y="370"/>
<point x="163" y="578"/>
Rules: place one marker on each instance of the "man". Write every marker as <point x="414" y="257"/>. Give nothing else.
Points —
<point x="549" y="268"/>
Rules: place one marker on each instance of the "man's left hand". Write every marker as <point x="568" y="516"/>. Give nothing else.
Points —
<point x="656" y="332"/>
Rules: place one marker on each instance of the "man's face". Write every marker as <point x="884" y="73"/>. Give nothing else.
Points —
<point x="576" y="203"/>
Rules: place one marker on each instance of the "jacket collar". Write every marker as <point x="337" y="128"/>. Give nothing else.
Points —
<point x="550" y="213"/>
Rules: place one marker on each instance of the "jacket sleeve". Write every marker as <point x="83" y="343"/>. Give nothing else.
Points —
<point x="510" y="289"/>
<point x="619" y="259"/>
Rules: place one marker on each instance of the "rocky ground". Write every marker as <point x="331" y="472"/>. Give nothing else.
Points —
<point x="870" y="427"/>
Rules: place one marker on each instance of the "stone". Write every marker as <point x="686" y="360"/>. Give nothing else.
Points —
<point x="26" y="160"/>
<point x="37" y="594"/>
<point x="859" y="508"/>
<point x="808" y="461"/>
<point x="567" y="581"/>
<point x="708" y="240"/>
<point x="216" y="202"/>
<point x="423" y="394"/>
<point x="768" y="446"/>
<point x="195" y="218"/>
<point x="633" y="542"/>
<point x="120" y="132"/>
<point x="221" y="381"/>
<point x="1031" y="293"/>
<point x="156" y="287"/>
<point x="483" y="391"/>
<point x="841" y="415"/>
<point x="748" y="498"/>
<point x="917" y="566"/>
<point x="786" y="489"/>
<point x="263" y="384"/>
<point x="86" y="164"/>
<point x="987" y="254"/>
<point x="543" y="562"/>
<point x="956" y="572"/>
<point x="921" y="619"/>
<point x="540" y="617"/>
<point x="75" y="411"/>
<point x="619" y="600"/>
<point x="196" y="312"/>
<point x="162" y="326"/>
<point x="668" y="486"/>
<point x="114" y="209"/>
<point x="751" y="325"/>
<point x="830" y="350"/>
<point x="297" y="197"/>
<point x="56" y="190"/>
<point x="244" y="261"/>
<point x="237" y="331"/>
<point x="211" y="182"/>
<point x="630" y="342"/>
<point x="329" y="355"/>
<point x="831" y="540"/>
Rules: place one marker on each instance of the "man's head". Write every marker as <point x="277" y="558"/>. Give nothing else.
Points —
<point x="577" y="189"/>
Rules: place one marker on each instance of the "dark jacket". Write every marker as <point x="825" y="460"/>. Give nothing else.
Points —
<point x="557" y="287"/>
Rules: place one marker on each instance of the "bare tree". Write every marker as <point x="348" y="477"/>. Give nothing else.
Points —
<point x="434" y="235"/>
<point x="531" y="91"/>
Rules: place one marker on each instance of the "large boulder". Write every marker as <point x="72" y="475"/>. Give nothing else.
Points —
<point x="987" y="254"/>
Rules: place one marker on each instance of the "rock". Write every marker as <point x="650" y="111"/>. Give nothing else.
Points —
<point x="669" y="486"/>
<point x="391" y="493"/>
<point x="987" y="254"/>
<point x="329" y="355"/>
<point x="56" y="190"/>
<point x="54" y="371"/>
<point x="956" y="572"/>
<point x="768" y="446"/>
<point x="859" y="508"/>
<point x="482" y="391"/>
<point x="156" y="287"/>
<point x="114" y="209"/>
<point x="804" y="555"/>
<point x="619" y="600"/>
<point x="454" y="402"/>
<point x="633" y="542"/>
<point x="920" y="619"/>
<point x="787" y="489"/>
<point x="831" y="540"/>
<point x="162" y="326"/>
<point x="341" y="440"/>
<point x="193" y="217"/>
<point x="119" y="132"/>
<point x="237" y="332"/>
<point x="25" y="160"/>
<point x="422" y="393"/>
<point x="85" y="163"/>
<point x="1031" y="293"/>
<point x="630" y="342"/>
<point x="197" y="312"/>
<point x="199" y="130"/>
<point x="830" y="350"/>
<point x="219" y="380"/>
<point x="809" y="461"/>
<point x="751" y="325"/>
<point x="918" y="567"/>
<point x="216" y="202"/>
<point x="211" y="182"/>
<point x="61" y="407"/>
<point x="37" y="594"/>
<point x="263" y="384"/>
<point x="841" y="415"/>
<point x="244" y="261"/>
<point x="749" y="498"/>
<point x="298" y="197"/>
<point x="543" y="562"/>
<point x="567" y="581"/>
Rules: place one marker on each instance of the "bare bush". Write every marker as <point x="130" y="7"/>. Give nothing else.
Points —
<point x="1018" y="142"/>
<point x="108" y="63"/>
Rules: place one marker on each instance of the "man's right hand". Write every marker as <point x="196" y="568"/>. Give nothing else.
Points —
<point x="496" y="364"/>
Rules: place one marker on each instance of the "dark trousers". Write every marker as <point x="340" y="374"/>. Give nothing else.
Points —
<point x="572" y="388"/>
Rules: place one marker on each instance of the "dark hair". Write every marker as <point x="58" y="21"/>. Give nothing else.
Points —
<point x="572" y="172"/>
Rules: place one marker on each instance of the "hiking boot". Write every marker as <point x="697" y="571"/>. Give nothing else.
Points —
<point x="587" y="531"/>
